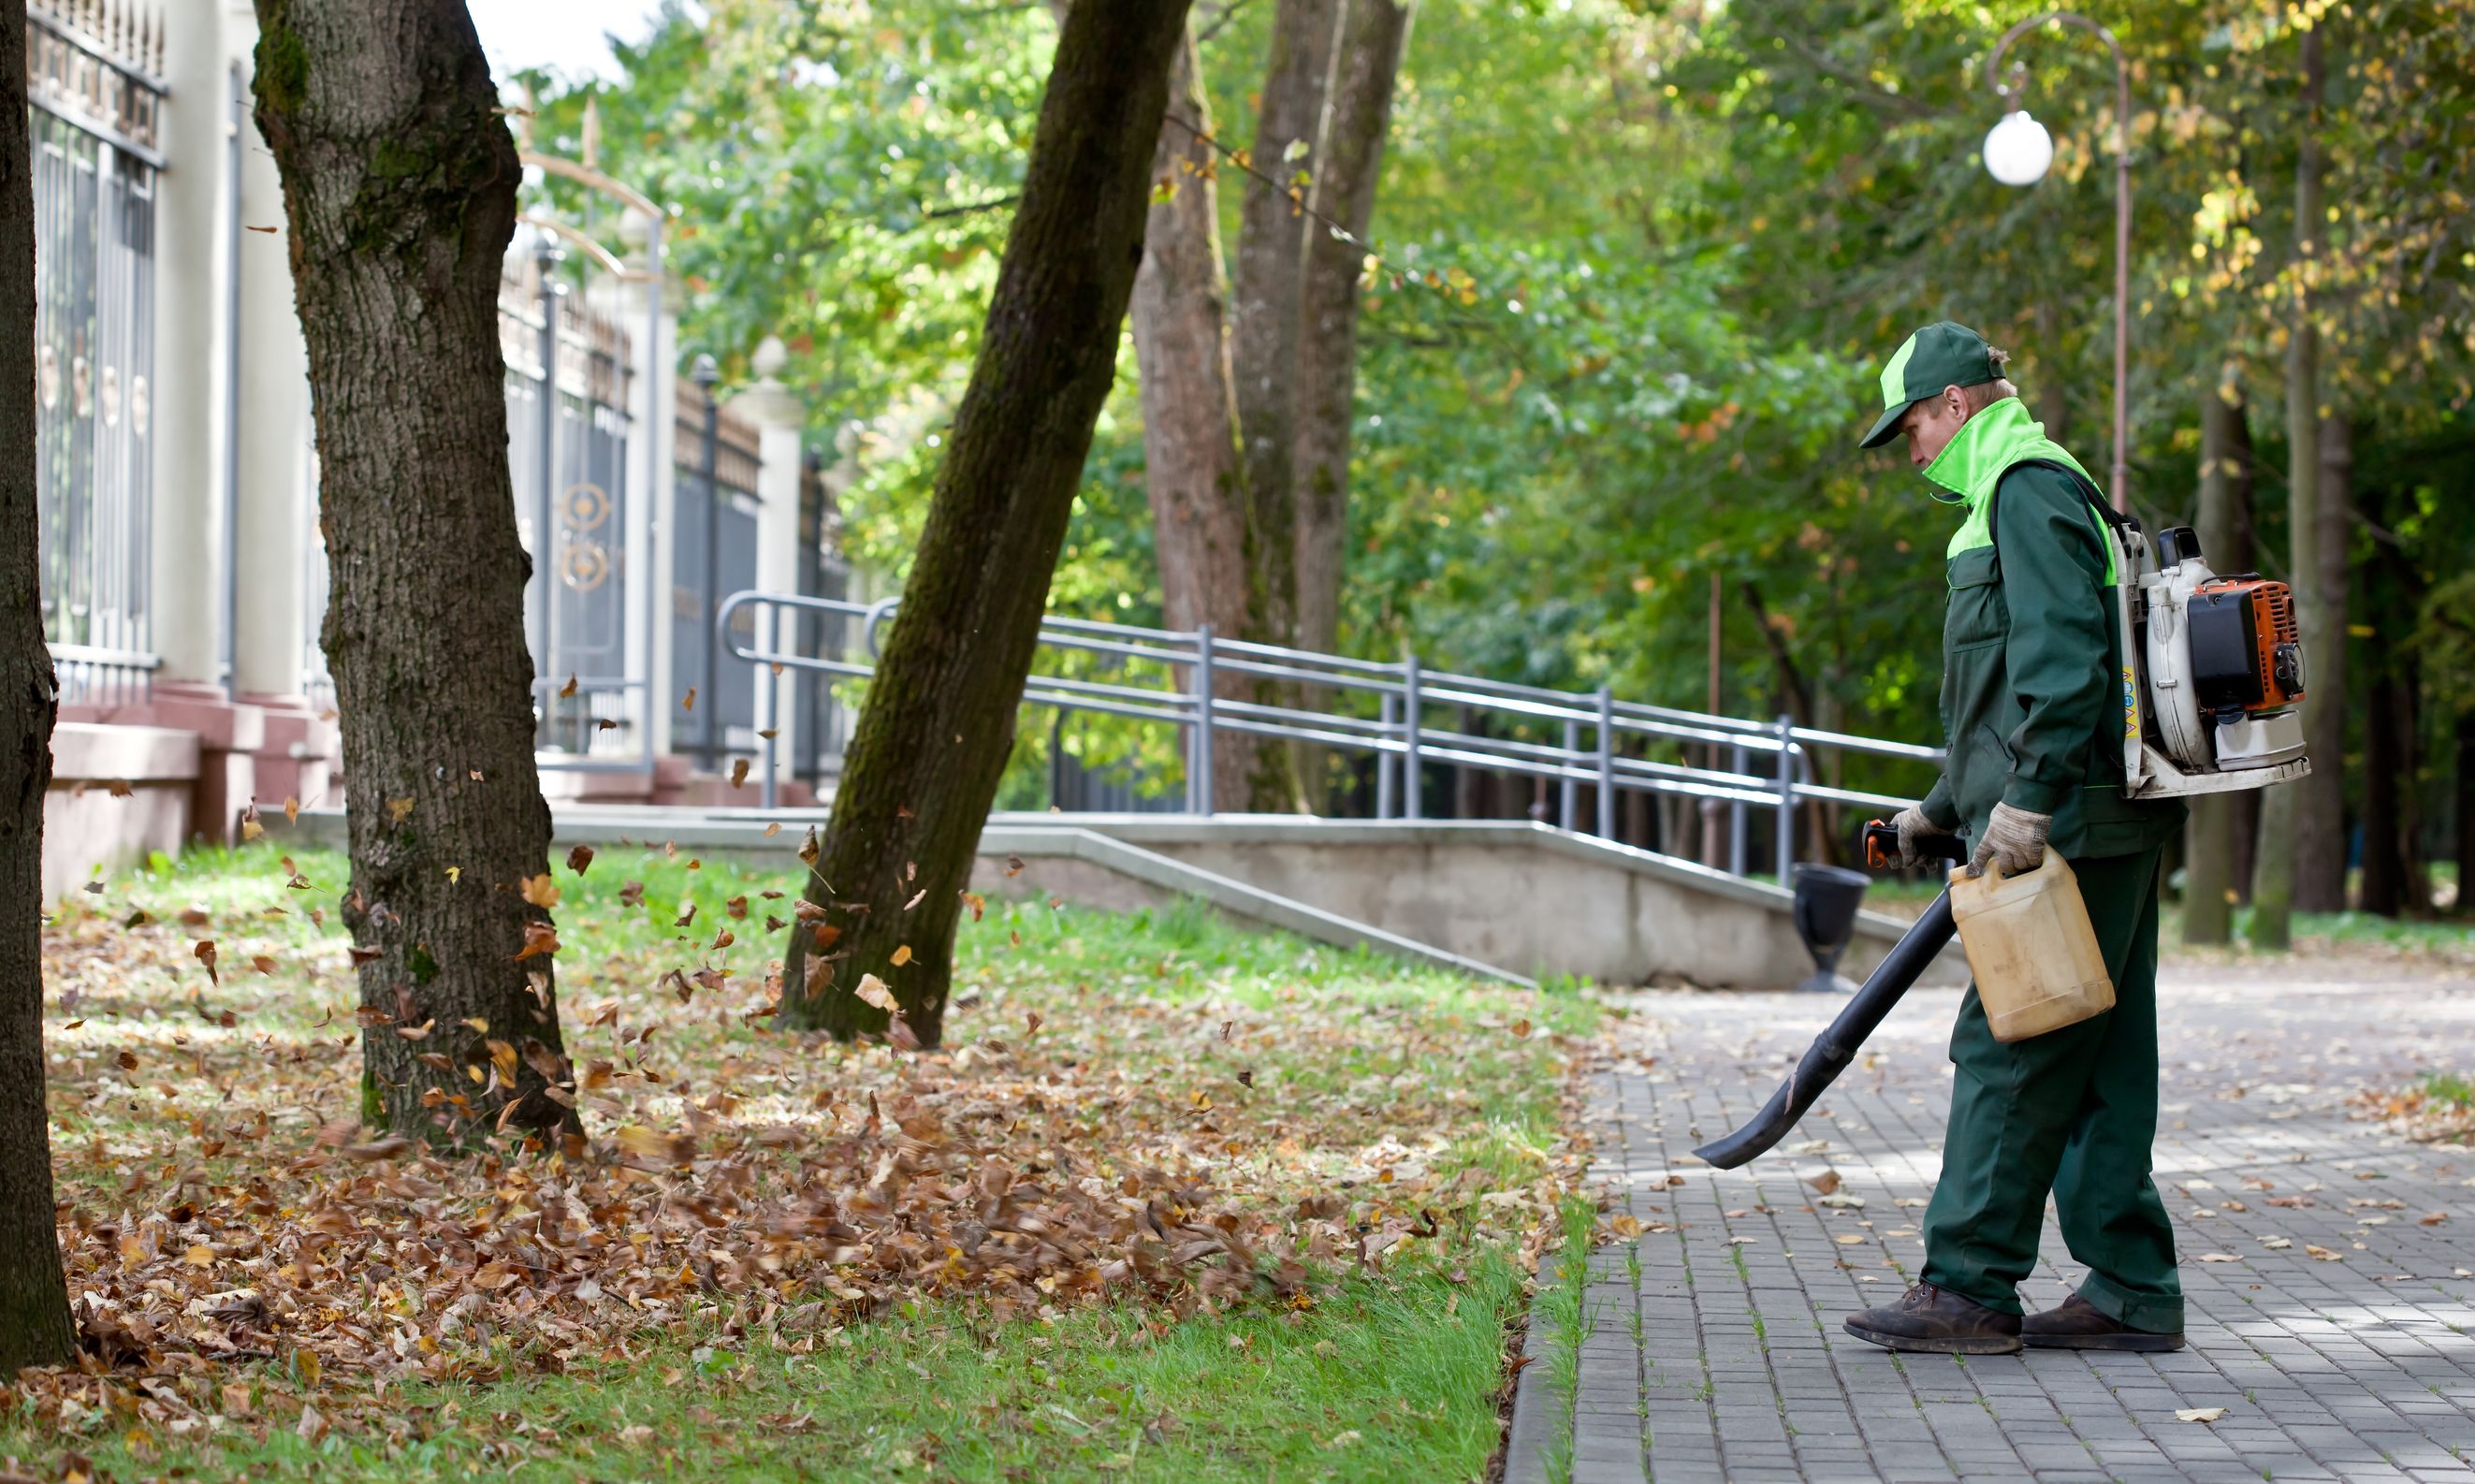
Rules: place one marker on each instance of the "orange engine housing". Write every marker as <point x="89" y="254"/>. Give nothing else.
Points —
<point x="2247" y="648"/>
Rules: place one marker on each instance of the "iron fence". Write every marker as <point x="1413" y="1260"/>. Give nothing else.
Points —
<point x="713" y="546"/>
<point x="94" y="83"/>
<point x="1593" y="734"/>
<point x="569" y="368"/>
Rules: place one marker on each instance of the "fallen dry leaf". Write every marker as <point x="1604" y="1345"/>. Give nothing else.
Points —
<point x="873" y="990"/>
<point x="2198" y="1414"/>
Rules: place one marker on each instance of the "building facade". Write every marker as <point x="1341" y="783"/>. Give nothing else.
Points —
<point x="185" y="578"/>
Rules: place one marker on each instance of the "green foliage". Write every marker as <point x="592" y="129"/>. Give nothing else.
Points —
<point x="1714" y="220"/>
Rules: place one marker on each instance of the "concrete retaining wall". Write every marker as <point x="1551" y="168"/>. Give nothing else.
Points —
<point x="1527" y="897"/>
<point x="86" y="827"/>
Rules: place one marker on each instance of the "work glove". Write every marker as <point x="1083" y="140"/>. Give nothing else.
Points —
<point x="1913" y="826"/>
<point x="2015" y="841"/>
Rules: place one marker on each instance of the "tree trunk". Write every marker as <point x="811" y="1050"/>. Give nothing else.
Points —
<point x="2208" y="906"/>
<point x="2273" y="865"/>
<point x="400" y="199"/>
<point x="2396" y="881"/>
<point x="1191" y="458"/>
<point x="2320" y="812"/>
<point x="932" y="740"/>
<point x="1271" y="247"/>
<point x="1189" y="420"/>
<point x="1366" y="58"/>
<point x="34" y="1329"/>
<point x="2463" y="816"/>
<point x="2388" y="798"/>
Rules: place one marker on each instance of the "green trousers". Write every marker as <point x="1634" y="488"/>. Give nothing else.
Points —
<point x="2073" y="1112"/>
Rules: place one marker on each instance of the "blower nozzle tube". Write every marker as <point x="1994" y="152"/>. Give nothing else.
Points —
<point x="1836" y="1047"/>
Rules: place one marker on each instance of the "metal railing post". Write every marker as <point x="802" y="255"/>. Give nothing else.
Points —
<point x="1736" y="830"/>
<point x="1569" y="794"/>
<point x="1203" y="718"/>
<point x="1410" y="799"/>
<point x="769" y="630"/>
<point x="1606" y="763"/>
<point x="1387" y="767"/>
<point x="1786" y="797"/>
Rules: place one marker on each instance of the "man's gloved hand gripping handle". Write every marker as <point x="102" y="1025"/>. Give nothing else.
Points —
<point x="2015" y="841"/>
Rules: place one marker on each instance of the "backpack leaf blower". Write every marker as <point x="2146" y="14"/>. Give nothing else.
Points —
<point x="2213" y="684"/>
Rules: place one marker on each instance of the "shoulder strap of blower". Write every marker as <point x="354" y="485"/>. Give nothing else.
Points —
<point x="2113" y="526"/>
<point x="2115" y="522"/>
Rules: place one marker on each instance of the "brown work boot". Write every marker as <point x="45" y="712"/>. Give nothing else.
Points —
<point x="2076" y="1325"/>
<point x="1934" y="1319"/>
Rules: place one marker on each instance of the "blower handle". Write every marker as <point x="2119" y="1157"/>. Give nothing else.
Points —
<point x="1882" y="846"/>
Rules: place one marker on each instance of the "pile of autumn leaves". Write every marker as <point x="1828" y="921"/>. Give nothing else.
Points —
<point x="741" y="1187"/>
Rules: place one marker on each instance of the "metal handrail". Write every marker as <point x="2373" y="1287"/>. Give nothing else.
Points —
<point x="1773" y="760"/>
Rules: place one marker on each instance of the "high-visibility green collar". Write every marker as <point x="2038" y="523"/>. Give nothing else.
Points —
<point x="1992" y="440"/>
<point x="1976" y="457"/>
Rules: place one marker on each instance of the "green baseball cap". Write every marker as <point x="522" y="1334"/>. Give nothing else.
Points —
<point x="1941" y="355"/>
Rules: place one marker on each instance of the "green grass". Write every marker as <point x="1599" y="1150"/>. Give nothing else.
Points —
<point x="2449" y="1089"/>
<point x="1560" y="1314"/>
<point x="1384" y="1374"/>
<point x="1384" y="1378"/>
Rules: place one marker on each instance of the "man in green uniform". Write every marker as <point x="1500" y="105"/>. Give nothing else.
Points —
<point x="2033" y="710"/>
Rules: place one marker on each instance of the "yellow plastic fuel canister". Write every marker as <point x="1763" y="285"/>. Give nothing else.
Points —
<point x="2031" y="949"/>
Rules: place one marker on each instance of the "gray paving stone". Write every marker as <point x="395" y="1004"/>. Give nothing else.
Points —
<point x="2361" y="1369"/>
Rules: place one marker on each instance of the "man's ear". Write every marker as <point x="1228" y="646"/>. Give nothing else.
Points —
<point x="1955" y="402"/>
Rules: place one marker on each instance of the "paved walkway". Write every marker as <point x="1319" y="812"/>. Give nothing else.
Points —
<point x="2325" y="1263"/>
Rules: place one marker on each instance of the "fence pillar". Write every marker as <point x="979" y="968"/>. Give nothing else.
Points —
<point x="1606" y="763"/>
<point x="1569" y="791"/>
<point x="1786" y="797"/>
<point x="1410" y="792"/>
<point x="1736" y="830"/>
<point x="704" y="375"/>
<point x="1202" y="786"/>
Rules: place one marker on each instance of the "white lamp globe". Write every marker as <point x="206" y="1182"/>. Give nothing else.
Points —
<point x="2017" y="150"/>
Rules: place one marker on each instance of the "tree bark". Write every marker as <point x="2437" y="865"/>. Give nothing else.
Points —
<point x="1197" y="486"/>
<point x="2463" y="816"/>
<point x="34" y="1329"/>
<point x="2320" y="812"/>
<point x="2273" y="866"/>
<point x="932" y="740"/>
<point x="2209" y="853"/>
<point x="1367" y="60"/>
<point x="400" y="199"/>
<point x="2396" y="881"/>
<point x="1271" y="248"/>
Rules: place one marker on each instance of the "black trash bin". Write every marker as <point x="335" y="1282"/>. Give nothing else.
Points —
<point x="1826" y="900"/>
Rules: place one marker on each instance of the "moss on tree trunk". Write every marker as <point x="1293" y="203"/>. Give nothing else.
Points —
<point x="932" y="740"/>
<point x="400" y="199"/>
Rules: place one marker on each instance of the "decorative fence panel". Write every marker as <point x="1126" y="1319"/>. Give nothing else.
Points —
<point x="92" y="76"/>
<point x="567" y="450"/>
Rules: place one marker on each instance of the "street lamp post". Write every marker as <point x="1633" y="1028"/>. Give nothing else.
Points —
<point x="2017" y="150"/>
<point x="704" y="375"/>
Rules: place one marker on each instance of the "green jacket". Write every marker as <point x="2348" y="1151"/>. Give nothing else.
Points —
<point x="2033" y="702"/>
